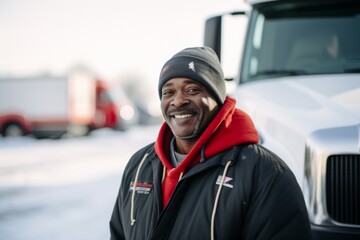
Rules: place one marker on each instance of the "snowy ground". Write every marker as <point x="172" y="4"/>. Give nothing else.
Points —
<point x="64" y="189"/>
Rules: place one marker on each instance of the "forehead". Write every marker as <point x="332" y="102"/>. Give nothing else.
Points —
<point x="181" y="81"/>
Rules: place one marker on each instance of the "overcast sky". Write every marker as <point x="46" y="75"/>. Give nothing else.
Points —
<point x="113" y="37"/>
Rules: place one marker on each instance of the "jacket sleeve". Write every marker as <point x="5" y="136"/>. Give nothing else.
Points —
<point x="116" y="227"/>
<point x="119" y="229"/>
<point x="277" y="208"/>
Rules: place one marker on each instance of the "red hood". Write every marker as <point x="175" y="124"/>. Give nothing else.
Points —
<point x="230" y="127"/>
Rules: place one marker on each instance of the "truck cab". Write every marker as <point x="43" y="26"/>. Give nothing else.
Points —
<point x="113" y="108"/>
<point x="298" y="77"/>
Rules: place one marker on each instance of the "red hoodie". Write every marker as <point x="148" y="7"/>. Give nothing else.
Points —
<point x="230" y="127"/>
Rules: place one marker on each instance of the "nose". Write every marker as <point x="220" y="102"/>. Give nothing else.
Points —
<point x="179" y="100"/>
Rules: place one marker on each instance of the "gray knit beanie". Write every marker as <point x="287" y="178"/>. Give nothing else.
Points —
<point x="200" y="64"/>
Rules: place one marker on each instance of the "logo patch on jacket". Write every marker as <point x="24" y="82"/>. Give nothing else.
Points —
<point x="141" y="188"/>
<point x="226" y="181"/>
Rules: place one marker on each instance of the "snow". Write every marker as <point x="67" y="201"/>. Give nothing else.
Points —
<point x="64" y="189"/>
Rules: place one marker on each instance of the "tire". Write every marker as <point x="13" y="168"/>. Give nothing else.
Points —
<point x="13" y="130"/>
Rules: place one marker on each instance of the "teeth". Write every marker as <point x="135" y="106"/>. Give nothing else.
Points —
<point x="183" y="116"/>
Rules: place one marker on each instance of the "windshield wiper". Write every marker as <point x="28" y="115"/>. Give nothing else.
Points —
<point x="282" y="72"/>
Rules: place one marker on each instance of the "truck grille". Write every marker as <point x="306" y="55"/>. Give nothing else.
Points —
<point x="343" y="188"/>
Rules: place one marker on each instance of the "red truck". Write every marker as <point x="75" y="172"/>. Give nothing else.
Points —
<point x="49" y="107"/>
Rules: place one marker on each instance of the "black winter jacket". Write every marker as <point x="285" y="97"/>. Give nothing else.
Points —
<point x="258" y="199"/>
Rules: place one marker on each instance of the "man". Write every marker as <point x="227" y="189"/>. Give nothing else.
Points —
<point x="205" y="177"/>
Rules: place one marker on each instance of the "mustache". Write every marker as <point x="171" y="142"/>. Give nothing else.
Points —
<point x="181" y="109"/>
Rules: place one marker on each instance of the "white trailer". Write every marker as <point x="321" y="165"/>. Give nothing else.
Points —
<point x="47" y="106"/>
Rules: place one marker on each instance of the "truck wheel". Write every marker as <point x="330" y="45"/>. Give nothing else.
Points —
<point x="13" y="130"/>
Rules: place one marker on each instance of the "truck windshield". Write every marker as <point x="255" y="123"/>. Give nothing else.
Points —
<point x="302" y="41"/>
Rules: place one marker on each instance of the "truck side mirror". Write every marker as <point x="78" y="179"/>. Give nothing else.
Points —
<point x="225" y="34"/>
<point x="212" y="37"/>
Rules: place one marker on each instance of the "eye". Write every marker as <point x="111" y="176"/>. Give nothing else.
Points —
<point x="167" y="92"/>
<point x="192" y="90"/>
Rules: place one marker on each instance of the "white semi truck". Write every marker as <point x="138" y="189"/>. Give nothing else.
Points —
<point x="47" y="107"/>
<point x="298" y="78"/>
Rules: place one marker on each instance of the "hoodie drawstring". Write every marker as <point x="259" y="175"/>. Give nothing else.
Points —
<point x="217" y="199"/>
<point x="164" y="173"/>
<point x="180" y="177"/>
<point x="132" y="218"/>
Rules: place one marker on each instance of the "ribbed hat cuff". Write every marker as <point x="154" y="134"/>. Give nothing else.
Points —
<point x="197" y="70"/>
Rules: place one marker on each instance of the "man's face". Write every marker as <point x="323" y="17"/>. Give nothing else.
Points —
<point x="187" y="107"/>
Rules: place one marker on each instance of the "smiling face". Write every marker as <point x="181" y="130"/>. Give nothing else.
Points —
<point x="187" y="107"/>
